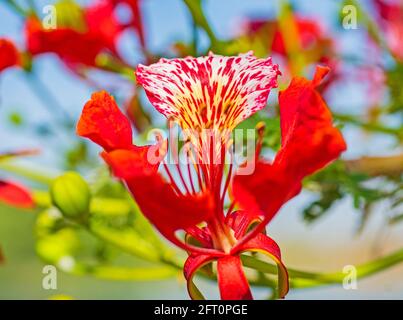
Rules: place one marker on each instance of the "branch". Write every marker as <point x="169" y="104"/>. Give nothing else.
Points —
<point x="303" y="279"/>
<point x="375" y="127"/>
<point x="195" y="8"/>
<point x="376" y="166"/>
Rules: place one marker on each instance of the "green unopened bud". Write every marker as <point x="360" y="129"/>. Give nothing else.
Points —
<point x="71" y="195"/>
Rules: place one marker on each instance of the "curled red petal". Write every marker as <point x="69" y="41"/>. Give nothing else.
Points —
<point x="127" y="164"/>
<point x="240" y="221"/>
<point x="232" y="282"/>
<point x="15" y="195"/>
<point x="309" y="139"/>
<point x="9" y="55"/>
<point x="309" y="142"/>
<point x="103" y="122"/>
<point x="192" y="264"/>
<point x="263" y="244"/>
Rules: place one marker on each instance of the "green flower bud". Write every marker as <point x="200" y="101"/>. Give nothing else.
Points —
<point x="71" y="195"/>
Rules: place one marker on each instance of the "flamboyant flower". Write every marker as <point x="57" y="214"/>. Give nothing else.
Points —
<point x="391" y="18"/>
<point x="9" y="55"/>
<point x="98" y="32"/>
<point x="208" y="97"/>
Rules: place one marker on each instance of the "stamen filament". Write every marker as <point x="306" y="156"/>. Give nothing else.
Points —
<point x="171" y="179"/>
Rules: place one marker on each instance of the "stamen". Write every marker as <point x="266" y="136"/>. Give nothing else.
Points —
<point x="174" y="153"/>
<point x="227" y="181"/>
<point x="188" y="151"/>
<point x="231" y="208"/>
<point x="179" y="170"/>
<point x="212" y="171"/>
<point x="229" y="173"/>
<point x="171" y="179"/>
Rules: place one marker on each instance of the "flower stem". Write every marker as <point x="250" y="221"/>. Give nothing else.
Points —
<point x="196" y="10"/>
<point x="30" y="174"/>
<point x="303" y="279"/>
<point x="376" y="166"/>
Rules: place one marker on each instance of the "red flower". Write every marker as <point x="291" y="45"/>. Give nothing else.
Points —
<point x="15" y="195"/>
<point x="216" y="93"/>
<point x="311" y="36"/>
<point x="316" y="46"/>
<point x="137" y="20"/>
<point x="73" y="46"/>
<point x="391" y="14"/>
<point x="9" y="55"/>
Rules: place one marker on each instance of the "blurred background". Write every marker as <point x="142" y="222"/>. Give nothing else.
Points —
<point x="347" y="215"/>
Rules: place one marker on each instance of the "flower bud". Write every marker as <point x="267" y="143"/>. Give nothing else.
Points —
<point x="71" y="195"/>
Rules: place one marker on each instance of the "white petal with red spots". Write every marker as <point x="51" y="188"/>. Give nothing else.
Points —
<point x="213" y="92"/>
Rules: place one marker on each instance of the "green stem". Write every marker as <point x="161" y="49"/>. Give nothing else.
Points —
<point x="196" y="10"/>
<point x="30" y="174"/>
<point x="316" y="279"/>
<point x="16" y="7"/>
<point x="49" y="100"/>
<point x="135" y="245"/>
<point x="367" y="126"/>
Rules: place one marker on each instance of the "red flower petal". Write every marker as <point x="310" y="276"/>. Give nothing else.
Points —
<point x="158" y="201"/>
<point x="136" y="19"/>
<point x="263" y="244"/>
<point x="75" y="46"/>
<point x="101" y="21"/>
<point x="309" y="140"/>
<point x="232" y="282"/>
<point x="263" y="193"/>
<point x="130" y="163"/>
<point x="15" y="195"/>
<point x="103" y="123"/>
<point x="70" y="45"/>
<point x="192" y="265"/>
<point x="9" y="55"/>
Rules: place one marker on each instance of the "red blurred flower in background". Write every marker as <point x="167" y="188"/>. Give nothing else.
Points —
<point x="15" y="195"/>
<point x="214" y="94"/>
<point x="9" y="55"/>
<point x="12" y="193"/>
<point x="137" y="21"/>
<point x="391" y="19"/>
<point x="97" y="31"/>
<point x="310" y="34"/>
<point x="309" y="40"/>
